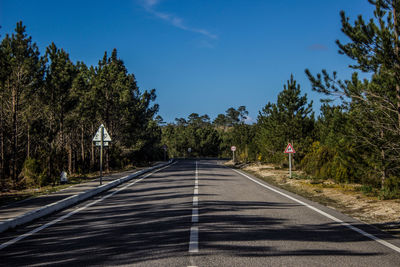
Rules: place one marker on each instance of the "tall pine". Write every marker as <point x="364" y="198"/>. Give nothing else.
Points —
<point x="291" y="119"/>
<point x="374" y="104"/>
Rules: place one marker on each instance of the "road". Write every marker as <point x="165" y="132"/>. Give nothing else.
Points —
<point x="198" y="213"/>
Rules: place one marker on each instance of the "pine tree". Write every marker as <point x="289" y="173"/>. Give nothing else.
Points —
<point x="57" y="101"/>
<point x="232" y="116"/>
<point x="374" y="104"/>
<point x="220" y="120"/>
<point x="291" y="119"/>
<point x="21" y="73"/>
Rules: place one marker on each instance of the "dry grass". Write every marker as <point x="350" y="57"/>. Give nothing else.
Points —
<point x="348" y="199"/>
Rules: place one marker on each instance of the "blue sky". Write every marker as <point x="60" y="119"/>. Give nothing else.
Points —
<point x="202" y="56"/>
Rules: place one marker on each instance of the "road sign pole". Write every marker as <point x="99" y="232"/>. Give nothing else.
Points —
<point x="289" y="150"/>
<point x="233" y="149"/>
<point x="101" y="154"/>
<point x="165" y="155"/>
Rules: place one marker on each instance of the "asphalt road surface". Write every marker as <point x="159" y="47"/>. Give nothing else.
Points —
<point x="198" y="213"/>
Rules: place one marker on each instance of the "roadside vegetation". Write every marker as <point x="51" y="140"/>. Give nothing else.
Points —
<point x="348" y="198"/>
<point x="14" y="195"/>
<point x="356" y="137"/>
<point x="51" y="107"/>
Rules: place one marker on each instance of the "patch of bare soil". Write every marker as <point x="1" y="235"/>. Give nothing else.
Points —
<point x="384" y="214"/>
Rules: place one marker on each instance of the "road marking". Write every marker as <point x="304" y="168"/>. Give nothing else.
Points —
<point x="23" y="236"/>
<point x="358" y="230"/>
<point x="194" y="230"/>
<point x="195" y="201"/>
<point x="194" y="240"/>
<point x="195" y="215"/>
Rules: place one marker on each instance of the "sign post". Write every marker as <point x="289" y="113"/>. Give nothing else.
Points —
<point x="289" y="150"/>
<point x="102" y="138"/>
<point x="101" y="154"/>
<point x="233" y="148"/>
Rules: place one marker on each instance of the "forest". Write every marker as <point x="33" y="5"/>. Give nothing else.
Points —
<point x="356" y="136"/>
<point x="51" y="107"/>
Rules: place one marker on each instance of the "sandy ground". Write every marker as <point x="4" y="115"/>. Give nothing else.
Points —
<point x="384" y="214"/>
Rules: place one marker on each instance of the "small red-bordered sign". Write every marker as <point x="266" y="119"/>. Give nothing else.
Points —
<point x="289" y="149"/>
<point x="233" y="148"/>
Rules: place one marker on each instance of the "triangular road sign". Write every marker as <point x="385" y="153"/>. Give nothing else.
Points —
<point x="289" y="149"/>
<point x="106" y="136"/>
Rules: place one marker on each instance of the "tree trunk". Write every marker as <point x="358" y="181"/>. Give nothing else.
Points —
<point x="14" y="133"/>
<point x="50" y="163"/>
<point x="69" y="158"/>
<point x="82" y="147"/>
<point x="63" y="146"/>
<point x="92" y="155"/>
<point x="397" y="59"/>
<point x="74" y="162"/>
<point x="383" y="172"/>
<point x="107" y="159"/>
<point x="383" y="158"/>
<point x="28" y="152"/>
<point x="2" y="160"/>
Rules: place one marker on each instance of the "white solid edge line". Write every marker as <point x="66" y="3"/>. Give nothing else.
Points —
<point x="358" y="230"/>
<point x="23" y="236"/>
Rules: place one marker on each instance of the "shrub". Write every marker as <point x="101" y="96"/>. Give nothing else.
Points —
<point x="327" y="163"/>
<point x="391" y="188"/>
<point x="31" y="173"/>
<point x="367" y="189"/>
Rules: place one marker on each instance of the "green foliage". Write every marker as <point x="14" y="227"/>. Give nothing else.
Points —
<point x="51" y="107"/>
<point x="56" y="106"/>
<point x="196" y="133"/>
<point x="34" y="174"/>
<point x="362" y="135"/>
<point x="290" y="120"/>
<point x="391" y="188"/>
<point x="31" y="172"/>
<point x="21" y="74"/>
<point x="325" y="162"/>
<point x="367" y="190"/>
<point x="211" y="139"/>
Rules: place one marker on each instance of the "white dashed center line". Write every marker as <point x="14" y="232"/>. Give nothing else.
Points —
<point x="194" y="230"/>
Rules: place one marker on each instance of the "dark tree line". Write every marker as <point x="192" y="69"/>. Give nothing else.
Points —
<point x="50" y="108"/>
<point x="356" y="137"/>
<point x="367" y="147"/>
<point x="209" y="139"/>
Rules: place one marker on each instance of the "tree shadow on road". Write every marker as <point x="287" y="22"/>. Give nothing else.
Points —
<point x="151" y="222"/>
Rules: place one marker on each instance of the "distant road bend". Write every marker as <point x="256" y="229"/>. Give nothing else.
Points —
<point x="198" y="213"/>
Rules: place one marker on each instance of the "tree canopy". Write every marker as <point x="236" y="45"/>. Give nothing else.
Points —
<point x="51" y="108"/>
